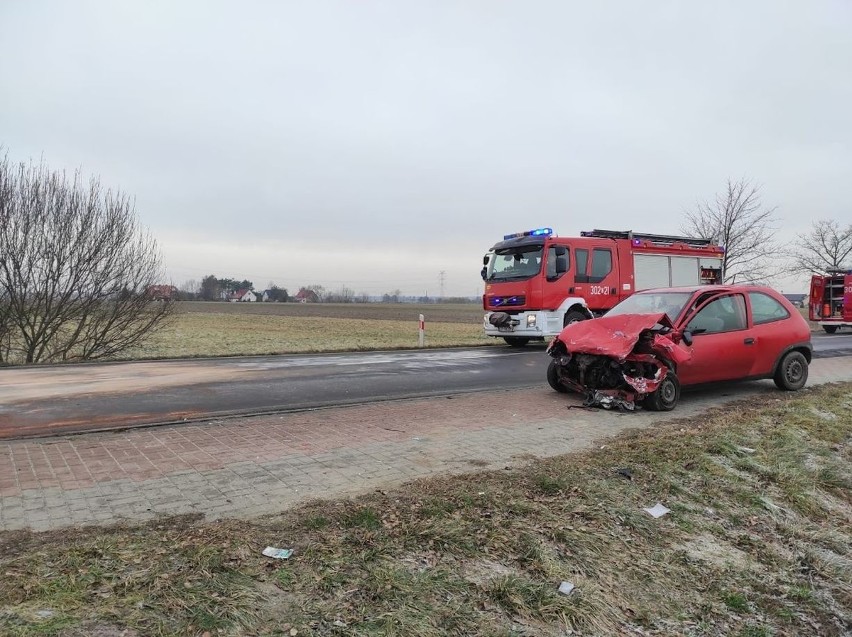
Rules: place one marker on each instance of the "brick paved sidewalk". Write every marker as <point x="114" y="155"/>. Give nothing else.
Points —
<point x="252" y="466"/>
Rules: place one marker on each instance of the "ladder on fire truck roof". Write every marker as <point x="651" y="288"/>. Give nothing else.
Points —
<point x="654" y="238"/>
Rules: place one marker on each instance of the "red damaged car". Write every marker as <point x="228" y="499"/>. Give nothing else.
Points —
<point x="652" y="343"/>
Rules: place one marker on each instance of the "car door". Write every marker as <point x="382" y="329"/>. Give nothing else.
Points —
<point x="771" y="329"/>
<point x="722" y="345"/>
<point x="596" y="275"/>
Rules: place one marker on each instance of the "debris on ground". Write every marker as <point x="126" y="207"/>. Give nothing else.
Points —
<point x="657" y="511"/>
<point x="625" y="473"/>
<point x="278" y="554"/>
<point x="566" y="587"/>
<point x="608" y="401"/>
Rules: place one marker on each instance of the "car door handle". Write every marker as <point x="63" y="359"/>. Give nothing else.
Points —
<point x="748" y="341"/>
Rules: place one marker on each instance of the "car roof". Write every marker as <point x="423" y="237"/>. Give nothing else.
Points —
<point x="743" y="287"/>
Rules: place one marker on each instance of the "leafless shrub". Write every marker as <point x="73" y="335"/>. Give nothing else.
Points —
<point x="74" y="268"/>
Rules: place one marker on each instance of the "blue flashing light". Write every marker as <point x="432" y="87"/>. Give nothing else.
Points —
<point x="538" y="232"/>
<point x="637" y="242"/>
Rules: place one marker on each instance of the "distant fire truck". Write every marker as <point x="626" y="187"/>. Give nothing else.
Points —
<point x="536" y="283"/>
<point x="830" y="299"/>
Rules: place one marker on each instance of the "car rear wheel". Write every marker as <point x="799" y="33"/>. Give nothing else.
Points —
<point x="792" y="372"/>
<point x="553" y="378"/>
<point x="516" y="341"/>
<point x="666" y="396"/>
<point x="831" y="329"/>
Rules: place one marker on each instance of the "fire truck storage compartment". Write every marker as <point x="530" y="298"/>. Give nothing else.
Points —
<point x="661" y="271"/>
<point x="837" y="287"/>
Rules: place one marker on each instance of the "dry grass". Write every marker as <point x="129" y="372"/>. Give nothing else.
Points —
<point x="231" y="329"/>
<point x="758" y="542"/>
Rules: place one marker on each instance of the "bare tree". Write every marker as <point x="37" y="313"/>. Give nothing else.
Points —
<point x="342" y="294"/>
<point x="738" y="220"/>
<point x="75" y="268"/>
<point x="210" y="288"/>
<point x="828" y="245"/>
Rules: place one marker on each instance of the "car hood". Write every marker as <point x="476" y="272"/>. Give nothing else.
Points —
<point x="613" y="336"/>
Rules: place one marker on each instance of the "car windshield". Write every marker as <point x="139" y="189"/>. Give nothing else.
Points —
<point x="653" y="302"/>
<point x="514" y="263"/>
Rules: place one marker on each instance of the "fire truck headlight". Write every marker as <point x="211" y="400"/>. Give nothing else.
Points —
<point x="530" y="320"/>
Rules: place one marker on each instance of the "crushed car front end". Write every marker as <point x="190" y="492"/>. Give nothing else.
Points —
<point x="619" y="361"/>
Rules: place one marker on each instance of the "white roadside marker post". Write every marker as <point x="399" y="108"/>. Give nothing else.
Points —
<point x="421" y="339"/>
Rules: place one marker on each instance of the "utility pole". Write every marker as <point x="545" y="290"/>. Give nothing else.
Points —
<point x="441" y="275"/>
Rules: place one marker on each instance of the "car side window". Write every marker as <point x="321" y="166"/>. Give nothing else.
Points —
<point x="724" y="314"/>
<point x="765" y="309"/>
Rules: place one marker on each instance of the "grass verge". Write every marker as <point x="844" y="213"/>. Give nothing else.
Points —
<point x="757" y="542"/>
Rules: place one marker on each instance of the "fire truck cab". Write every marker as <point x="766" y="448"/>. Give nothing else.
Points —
<point x="536" y="282"/>
<point x="830" y="299"/>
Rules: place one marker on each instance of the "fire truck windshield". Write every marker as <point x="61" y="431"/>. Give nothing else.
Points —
<point x="512" y="264"/>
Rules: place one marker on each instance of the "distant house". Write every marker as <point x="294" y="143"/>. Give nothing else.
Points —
<point x="307" y="296"/>
<point x="161" y="292"/>
<point x="797" y="299"/>
<point x="242" y="296"/>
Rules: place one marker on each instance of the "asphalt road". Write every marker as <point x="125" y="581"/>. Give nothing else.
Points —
<point x="50" y="400"/>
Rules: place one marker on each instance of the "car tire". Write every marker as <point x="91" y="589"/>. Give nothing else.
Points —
<point x="573" y="316"/>
<point x="667" y="395"/>
<point x="516" y="341"/>
<point x="553" y="378"/>
<point x="792" y="372"/>
<point x="830" y="329"/>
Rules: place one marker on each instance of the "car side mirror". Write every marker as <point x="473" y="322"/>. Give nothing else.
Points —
<point x="687" y="337"/>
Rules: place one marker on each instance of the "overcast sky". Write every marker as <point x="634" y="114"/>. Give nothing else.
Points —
<point x="377" y="144"/>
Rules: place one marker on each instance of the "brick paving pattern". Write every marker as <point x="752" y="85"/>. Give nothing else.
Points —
<point x="258" y="465"/>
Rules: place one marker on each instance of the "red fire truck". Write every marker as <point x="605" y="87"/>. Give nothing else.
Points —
<point x="536" y="283"/>
<point x="830" y="300"/>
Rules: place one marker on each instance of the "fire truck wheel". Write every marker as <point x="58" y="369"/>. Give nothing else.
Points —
<point x="553" y="378"/>
<point x="792" y="372"/>
<point x="666" y="396"/>
<point x="573" y="316"/>
<point x="516" y="341"/>
<point x="831" y="329"/>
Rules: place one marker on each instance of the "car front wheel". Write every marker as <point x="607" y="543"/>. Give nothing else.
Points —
<point x="792" y="372"/>
<point x="553" y="378"/>
<point x="666" y="396"/>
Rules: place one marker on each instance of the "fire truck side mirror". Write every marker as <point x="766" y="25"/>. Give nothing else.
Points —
<point x="561" y="264"/>
<point x="485" y="260"/>
<point x="483" y="273"/>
